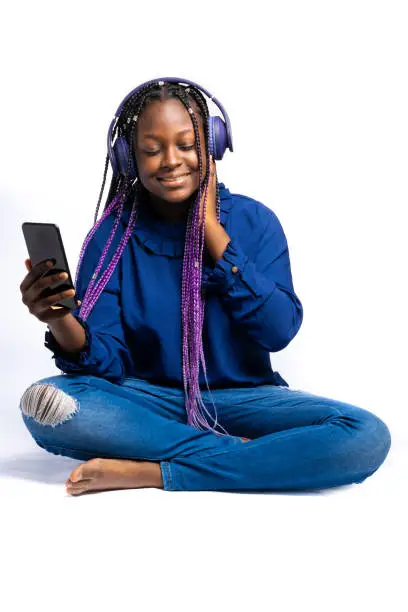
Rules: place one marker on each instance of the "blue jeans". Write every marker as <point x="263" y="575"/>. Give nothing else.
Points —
<point x="298" y="441"/>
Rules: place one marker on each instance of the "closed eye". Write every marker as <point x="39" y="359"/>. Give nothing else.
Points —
<point x="185" y="147"/>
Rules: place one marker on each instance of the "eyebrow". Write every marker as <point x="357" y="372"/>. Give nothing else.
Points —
<point x="156" y="138"/>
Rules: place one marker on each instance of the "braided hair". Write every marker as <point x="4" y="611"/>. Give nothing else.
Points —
<point x="123" y="193"/>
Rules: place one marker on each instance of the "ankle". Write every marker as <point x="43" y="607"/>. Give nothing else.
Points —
<point x="151" y="474"/>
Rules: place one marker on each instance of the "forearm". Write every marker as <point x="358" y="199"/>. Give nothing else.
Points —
<point x="69" y="334"/>
<point x="216" y="239"/>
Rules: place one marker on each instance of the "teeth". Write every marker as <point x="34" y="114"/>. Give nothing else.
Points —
<point x="174" y="180"/>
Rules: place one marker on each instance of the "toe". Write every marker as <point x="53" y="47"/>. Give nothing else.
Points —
<point x="89" y="469"/>
<point x="74" y="490"/>
<point x="77" y="488"/>
<point x="77" y="473"/>
<point x="77" y="492"/>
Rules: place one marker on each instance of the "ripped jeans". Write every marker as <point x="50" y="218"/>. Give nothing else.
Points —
<point x="297" y="440"/>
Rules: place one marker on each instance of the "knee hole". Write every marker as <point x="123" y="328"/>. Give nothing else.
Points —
<point x="47" y="404"/>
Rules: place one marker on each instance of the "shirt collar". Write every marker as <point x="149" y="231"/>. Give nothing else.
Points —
<point x="168" y="238"/>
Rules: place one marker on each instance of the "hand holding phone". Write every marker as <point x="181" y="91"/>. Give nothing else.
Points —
<point x="32" y="290"/>
<point x="47" y="295"/>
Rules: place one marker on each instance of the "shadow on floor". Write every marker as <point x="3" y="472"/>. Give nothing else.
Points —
<point x="55" y="469"/>
<point x="38" y="467"/>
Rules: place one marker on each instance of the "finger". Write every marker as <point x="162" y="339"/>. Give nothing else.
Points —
<point x="213" y="171"/>
<point x="28" y="264"/>
<point x="33" y="275"/>
<point x="51" y="300"/>
<point x="40" y="287"/>
<point x="50" y="311"/>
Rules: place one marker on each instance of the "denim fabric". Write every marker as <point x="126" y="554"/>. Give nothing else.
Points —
<point x="298" y="441"/>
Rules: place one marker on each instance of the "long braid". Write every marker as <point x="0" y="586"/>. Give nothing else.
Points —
<point x="193" y="301"/>
<point x="120" y="193"/>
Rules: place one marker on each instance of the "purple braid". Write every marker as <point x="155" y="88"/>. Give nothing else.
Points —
<point x="192" y="300"/>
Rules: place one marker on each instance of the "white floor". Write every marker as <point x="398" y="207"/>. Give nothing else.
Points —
<point x="149" y="549"/>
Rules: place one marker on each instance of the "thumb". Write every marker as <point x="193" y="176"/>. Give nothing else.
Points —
<point x="28" y="264"/>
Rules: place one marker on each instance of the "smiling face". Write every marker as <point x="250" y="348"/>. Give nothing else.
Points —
<point x="165" y="147"/>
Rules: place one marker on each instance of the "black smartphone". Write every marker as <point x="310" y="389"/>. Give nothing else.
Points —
<point x="44" y="242"/>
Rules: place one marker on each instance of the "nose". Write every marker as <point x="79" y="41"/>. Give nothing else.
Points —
<point x="171" y="157"/>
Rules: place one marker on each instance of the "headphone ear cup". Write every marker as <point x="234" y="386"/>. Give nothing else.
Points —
<point x="217" y="137"/>
<point x="119" y="162"/>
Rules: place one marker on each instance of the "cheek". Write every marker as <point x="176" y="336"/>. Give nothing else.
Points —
<point x="146" y="169"/>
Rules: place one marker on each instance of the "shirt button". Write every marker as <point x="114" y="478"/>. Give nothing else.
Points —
<point x="234" y="269"/>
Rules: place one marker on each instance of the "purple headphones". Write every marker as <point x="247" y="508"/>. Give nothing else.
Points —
<point x="220" y="135"/>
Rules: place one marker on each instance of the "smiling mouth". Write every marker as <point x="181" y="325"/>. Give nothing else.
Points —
<point x="176" y="181"/>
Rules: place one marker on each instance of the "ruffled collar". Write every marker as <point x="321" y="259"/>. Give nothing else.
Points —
<point x="165" y="238"/>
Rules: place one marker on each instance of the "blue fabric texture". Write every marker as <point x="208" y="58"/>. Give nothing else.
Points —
<point x="135" y="328"/>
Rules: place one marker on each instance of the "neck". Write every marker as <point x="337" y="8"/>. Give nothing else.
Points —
<point x="167" y="211"/>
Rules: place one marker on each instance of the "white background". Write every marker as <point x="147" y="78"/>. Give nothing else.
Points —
<point x="317" y="97"/>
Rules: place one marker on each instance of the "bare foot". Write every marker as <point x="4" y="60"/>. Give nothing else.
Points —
<point x="103" y="474"/>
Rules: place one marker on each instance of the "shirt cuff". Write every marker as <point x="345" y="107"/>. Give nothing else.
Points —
<point x="70" y="361"/>
<point x="229" y="270"/>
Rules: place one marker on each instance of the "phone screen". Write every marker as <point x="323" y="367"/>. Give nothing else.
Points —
<point x="43" y="242"/>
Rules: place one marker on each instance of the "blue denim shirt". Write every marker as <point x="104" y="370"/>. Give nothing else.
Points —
<point x="135" y="327"/>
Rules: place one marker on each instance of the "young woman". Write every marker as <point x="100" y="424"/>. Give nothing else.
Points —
<point x="180" y="272"/>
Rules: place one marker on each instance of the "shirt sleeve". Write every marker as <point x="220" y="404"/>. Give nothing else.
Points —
<point x="105" y="353"/>
<point x="257" y="289"/>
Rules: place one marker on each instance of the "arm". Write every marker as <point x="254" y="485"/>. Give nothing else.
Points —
<point x="257" y="290"/>
<point x="69" y="334"/>
<point x="96" y="346"/>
